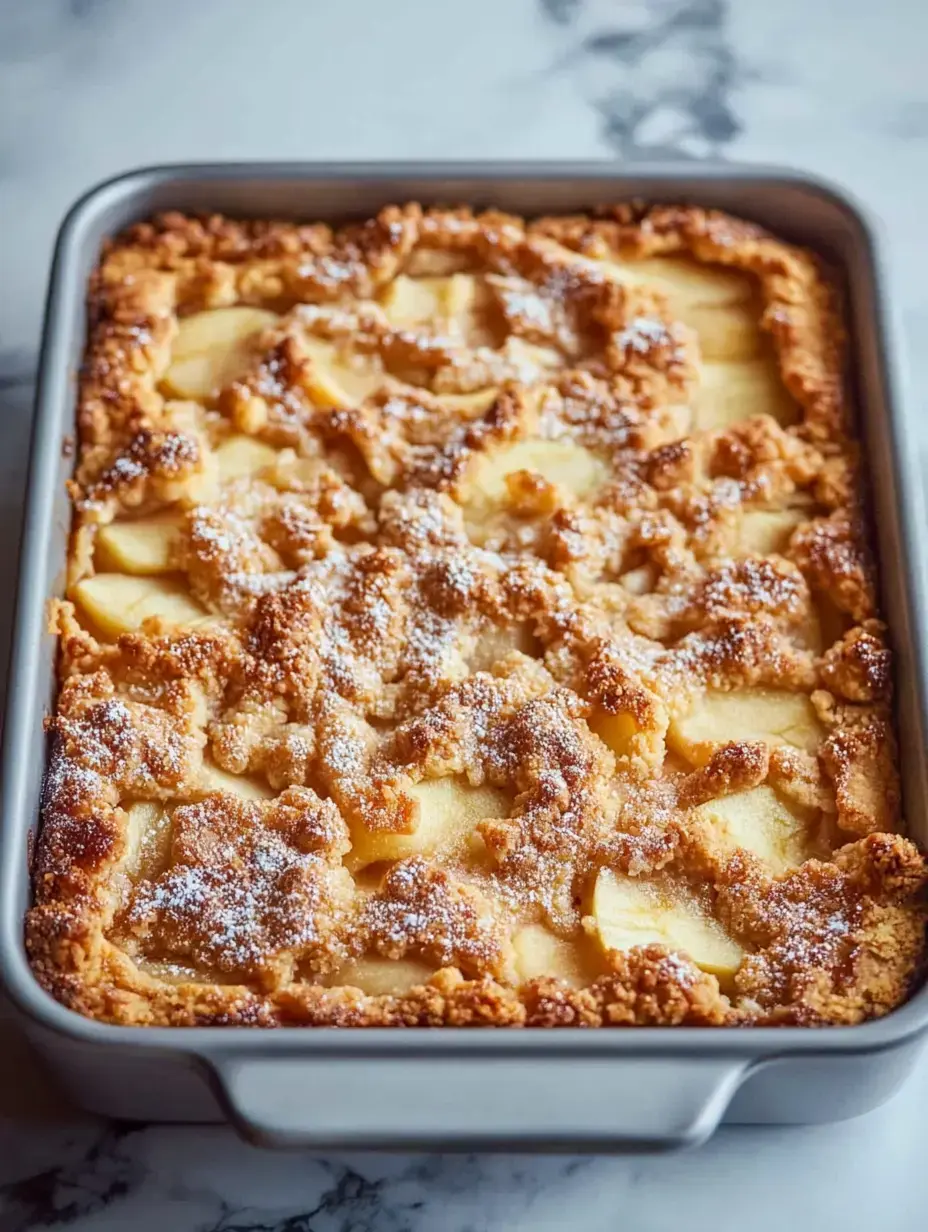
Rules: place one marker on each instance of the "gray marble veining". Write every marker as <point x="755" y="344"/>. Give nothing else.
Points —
<point x="89" y="87"/>
<point x="659" y="76"/>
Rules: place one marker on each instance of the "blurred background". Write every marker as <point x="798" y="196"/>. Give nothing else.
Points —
<point x="89" y="88"/>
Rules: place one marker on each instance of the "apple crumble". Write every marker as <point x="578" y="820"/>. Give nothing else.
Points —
<point x="470" y="621"/>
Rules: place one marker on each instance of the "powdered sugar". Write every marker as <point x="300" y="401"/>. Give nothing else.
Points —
<point x="642" y="334"/>
<point x="422" y="910"/>
<point x="243" y="897"/>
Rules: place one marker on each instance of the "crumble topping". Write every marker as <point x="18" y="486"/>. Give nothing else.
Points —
<point x="470" y="621"/>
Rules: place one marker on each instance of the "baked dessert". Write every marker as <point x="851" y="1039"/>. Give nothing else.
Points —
<point x="470" y="622"/>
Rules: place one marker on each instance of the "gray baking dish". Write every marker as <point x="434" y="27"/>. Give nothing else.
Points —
<point x="643" y="1089"/>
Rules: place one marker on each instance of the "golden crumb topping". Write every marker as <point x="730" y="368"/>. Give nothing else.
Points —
<point x="470" y="621"/>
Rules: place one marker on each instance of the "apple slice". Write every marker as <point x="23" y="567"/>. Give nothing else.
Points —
<point x="615" y="730"/>
<point x="495" y="643"/>
<point x="729" y="392"/>
<point x="771" y="715"/>
<point x="212" y="349"/>
<point x="729" y="333"/>
<point x="219" y="329"/>
<point x="451" y="302"/>
<point x="629" y="912"/>
<point x="241" y="455"/>
<point x="688" y="281"/>
<point x="718" y="302"/>
<point x="187" y="417"/>
<point x="334" y="381"/>
<point x="639" y="581"/>
<point x="448" y="810"/>
<point x="244" y="786"/>
<point x="470" y="405"/>
<point x="559" y="462"/>
<point x="622" y="734"/>
<point x="148" y="838"/>
<point x="760" y="822"/>
<point x="532" y="360"/>
<point x="119" y="603"/>
<point x="413" y="301"/>
<point x="203" y="376"/>
<point x="140" y="547"/>
<point x="383" y="977"/>
<point x="540" y="953"/>
<point x="767" y="531"/>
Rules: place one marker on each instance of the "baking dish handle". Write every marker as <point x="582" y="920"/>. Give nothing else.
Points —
<point x="641" y="1103"/>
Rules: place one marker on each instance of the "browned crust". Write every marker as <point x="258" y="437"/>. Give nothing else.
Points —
<point x="835" y="941"/>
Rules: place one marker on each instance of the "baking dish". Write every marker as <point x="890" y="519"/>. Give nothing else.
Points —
<point x="605" y="1090"/>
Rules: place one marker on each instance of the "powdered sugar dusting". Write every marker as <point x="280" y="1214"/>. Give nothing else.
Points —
<point x="239" y="897"/>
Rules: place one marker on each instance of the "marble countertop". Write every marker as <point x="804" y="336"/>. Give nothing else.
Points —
<point x="91" y="87"/>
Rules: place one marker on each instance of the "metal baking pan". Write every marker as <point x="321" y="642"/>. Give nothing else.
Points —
<point x="604" y="1090"/>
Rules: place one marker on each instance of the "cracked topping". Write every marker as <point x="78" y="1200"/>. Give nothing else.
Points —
<point x="470" y="621"/>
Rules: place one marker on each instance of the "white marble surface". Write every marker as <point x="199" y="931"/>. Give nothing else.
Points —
<point x="90" y="87"/>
